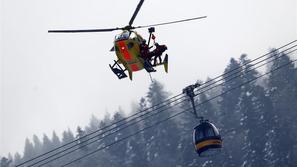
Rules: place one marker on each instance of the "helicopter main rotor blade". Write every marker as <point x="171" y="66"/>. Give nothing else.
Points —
<point x="86" y="30"/>
<point x="136" y="12"/>
<point x="172" y="22"/>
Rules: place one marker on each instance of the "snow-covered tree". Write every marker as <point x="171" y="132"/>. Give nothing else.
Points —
<point x="67" y="136"/>
<point x="162" y="140"/>
<point x="37" y="145"/>
<point x="230" y="115"/>
<point x="253" y="106"/>
<point x="282" y="90"/>
<point x="29" y="151"/>
<point x="5" y="162"/>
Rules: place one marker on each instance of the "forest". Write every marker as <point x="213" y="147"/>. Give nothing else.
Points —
<point x="257" y="123"/>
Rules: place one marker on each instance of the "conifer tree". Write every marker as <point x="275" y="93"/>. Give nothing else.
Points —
<point x="67" y="136"/>
<point x="93" y="125"/>
<point x="230" y="116"/>
<point x="162" y="140"/>
<point x="253" y="105"/>
<point x="283" y="92"/>
<point x="119" y="150"/>
<point x="136" y="155"/>
<point x="17" y="159"/>
<point x="103" y="157"/>
<point x="81" y="140"/>
<point x="55" y="140"/>
<point x="46" y="143"/>
<point x="4" y="162"/>
<point x="29" y="151"/>
<point x="37" y="145"/>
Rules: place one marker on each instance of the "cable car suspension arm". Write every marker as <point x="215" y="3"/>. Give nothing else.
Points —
<point x="189" y="91"/>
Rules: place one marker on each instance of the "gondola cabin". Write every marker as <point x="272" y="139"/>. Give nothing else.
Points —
<point x="207" y="139"/>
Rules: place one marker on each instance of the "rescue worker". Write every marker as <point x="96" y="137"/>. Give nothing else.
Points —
<point x="145" y="55"/>
<point x="144" y="50"/>
<point x="157" y="53"/>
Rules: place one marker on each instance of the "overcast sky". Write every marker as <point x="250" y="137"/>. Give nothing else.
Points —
<point x="57" y="81"/>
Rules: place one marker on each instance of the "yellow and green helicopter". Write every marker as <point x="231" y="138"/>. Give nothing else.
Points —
<point x="132" y="51"/>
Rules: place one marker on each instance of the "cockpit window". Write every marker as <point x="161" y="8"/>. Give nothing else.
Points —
<point x="122" y="36"/>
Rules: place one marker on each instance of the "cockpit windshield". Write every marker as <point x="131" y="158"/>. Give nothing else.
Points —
<point x="122" y="36"/>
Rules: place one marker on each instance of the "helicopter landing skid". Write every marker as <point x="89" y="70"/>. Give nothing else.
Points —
<point x="118" y="70"/>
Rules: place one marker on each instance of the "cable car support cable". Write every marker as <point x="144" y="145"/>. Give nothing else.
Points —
<point x="174" y="115"/>
<point x="158" y="112"/>
<point x="167" y="101"/>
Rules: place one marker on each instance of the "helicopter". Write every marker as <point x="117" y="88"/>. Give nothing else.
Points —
<point x="132" y="51"/>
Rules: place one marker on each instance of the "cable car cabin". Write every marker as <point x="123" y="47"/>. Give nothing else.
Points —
<point x="207" y="139"/>
<point x="127" y="50"/>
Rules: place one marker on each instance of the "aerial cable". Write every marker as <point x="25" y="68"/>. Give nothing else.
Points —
<point x="235" y="129"/>
<point x="248" y="70"/>
<point x="158" y="112"/>
<point x="210" y="80"/>
<point x="238" y="68"/>
<point x="88" y="142"/>
<point x="167" y="100"/>
<point x="108" y="126"/>
<point x="291" y="51"/>
<point x="174" y="115"/>
<point x="155" y="113"/>
<point x="164" y="120"/>
<point x="101" y="134"/>
<point x="144" y="110"/>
